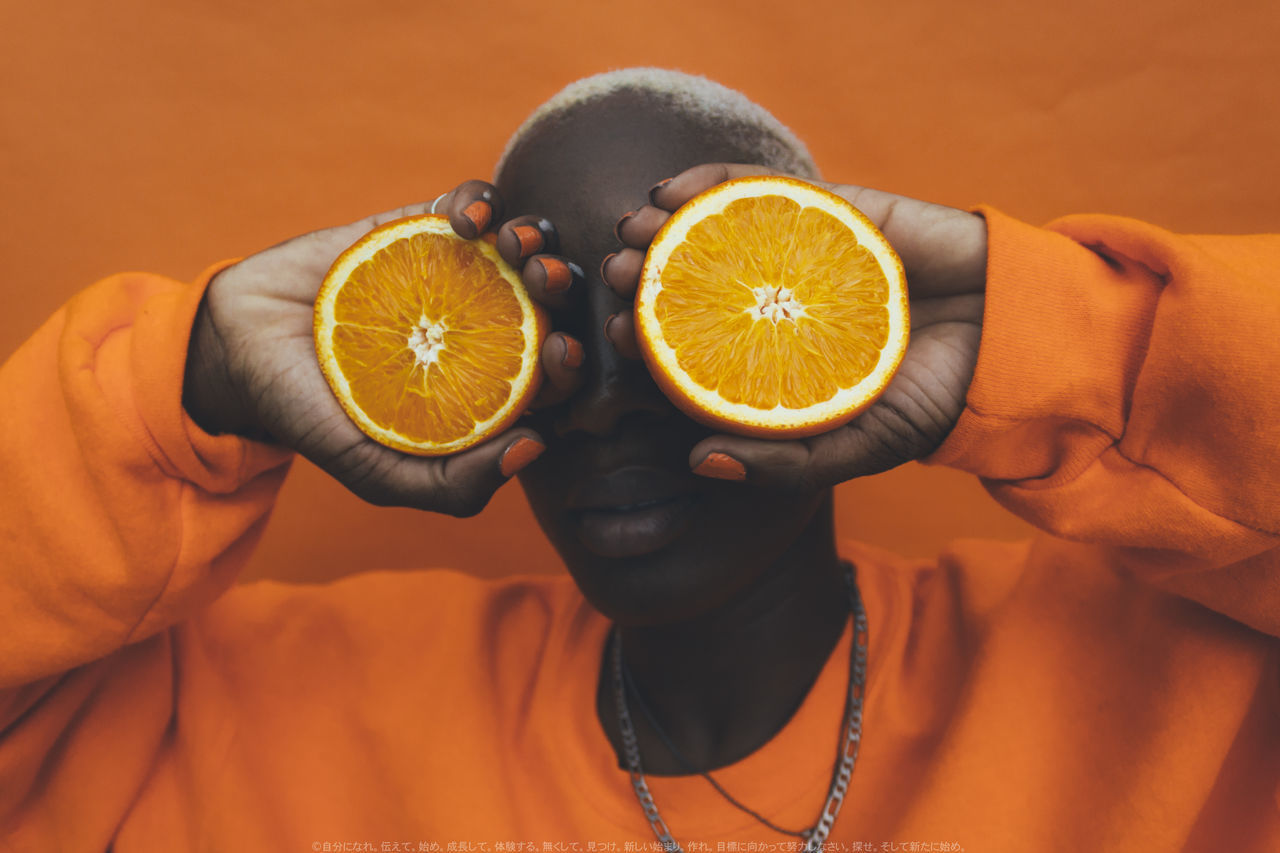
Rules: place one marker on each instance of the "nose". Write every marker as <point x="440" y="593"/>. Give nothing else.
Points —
<point x="615" y="387"/>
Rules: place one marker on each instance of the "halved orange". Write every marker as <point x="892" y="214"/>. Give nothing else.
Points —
<point x="770" y="307"/>
<point x="430" y="342"/>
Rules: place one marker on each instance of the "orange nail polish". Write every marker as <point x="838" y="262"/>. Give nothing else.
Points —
<point x="722" y="466"/>
<point x="617" y="229"/>
<point x="573" y="353"/>
<point x="653" y="189"/>
<point x="559" y="276"/>
<point x="604" y="264"/>
<point x="519" y="454"/>
<point x="479" y="212"/>
<point x="530" y="239"/>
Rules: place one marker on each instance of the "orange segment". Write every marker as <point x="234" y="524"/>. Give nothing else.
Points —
<point x="770" y="307"/>
<point x="430" y="342"/>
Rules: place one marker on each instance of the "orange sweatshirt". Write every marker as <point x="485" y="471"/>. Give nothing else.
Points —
<point x="1111" y="685"/>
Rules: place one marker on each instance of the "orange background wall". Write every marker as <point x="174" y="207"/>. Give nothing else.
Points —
<point x="140" y="134"/>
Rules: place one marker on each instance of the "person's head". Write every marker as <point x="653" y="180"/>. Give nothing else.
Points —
<point x="647" y="541"/>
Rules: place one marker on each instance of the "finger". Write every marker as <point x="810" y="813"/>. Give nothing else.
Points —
<point x="562" y="358"/>
<point x="807" y="464"/>
<point x="620" y="330"/>
<point x="636" y="228"/>
<point x="967" y="308"/>
<point x="472" y="208"/>
<point x="943" y="249"/>
<point x="673" y="192"/>
<point x="621" y="271"/>
<point x="769" y="463"/>
<point x="475" y="474"/>
<point x="459" y="485"/>
<point x="552" y="280"/>
<point x="315" y="252"/>
<point x="463" y="483"/>
<point x="525" y="236"/>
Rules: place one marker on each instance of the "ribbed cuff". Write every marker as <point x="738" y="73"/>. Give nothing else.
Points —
<point x="1063" y="335"/>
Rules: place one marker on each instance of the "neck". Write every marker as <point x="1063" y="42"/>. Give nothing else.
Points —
<point x="723" y="684"/>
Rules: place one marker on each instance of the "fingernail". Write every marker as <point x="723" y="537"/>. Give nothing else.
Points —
<point x="559" y="275"/>
<point x="654" y="189"/>
<point x="521" y="452"/>
<point x="573" y="353"/>
<point x="479" y="213"/>
<point x="530" y="239"/>
<point x="608" y="321"/>
<point x="617" y="229"/>
<point x="722" y="466"/>
<point x="604" y="264"/>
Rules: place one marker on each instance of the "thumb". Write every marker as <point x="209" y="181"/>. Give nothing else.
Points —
<point x="326" y="244"/>
<point x="806" y="465"/>
<point x="943" y="249"/>
<point x="459" y="485"/>
<point x="673" y="192"/>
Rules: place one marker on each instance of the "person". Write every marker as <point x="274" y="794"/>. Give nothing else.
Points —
<point x="1110" y="685"/>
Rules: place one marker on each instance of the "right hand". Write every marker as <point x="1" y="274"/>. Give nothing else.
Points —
<point x="252" y="368"/>
<point x="944" y="255"/>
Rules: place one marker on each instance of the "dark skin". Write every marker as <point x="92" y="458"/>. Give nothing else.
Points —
<point x="729" y="594"/>
<point x="252" y="370"/>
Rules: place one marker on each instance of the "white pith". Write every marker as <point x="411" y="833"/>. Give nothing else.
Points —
<point x="776" y="304"/>
<point x="771" y="303"/>
<point x="427" y="341"/>
<point x="326" y="323"/>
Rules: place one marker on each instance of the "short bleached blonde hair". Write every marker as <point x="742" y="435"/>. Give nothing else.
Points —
<point x="703" y="101"/>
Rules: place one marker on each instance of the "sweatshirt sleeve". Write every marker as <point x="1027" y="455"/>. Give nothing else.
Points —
<point x="1126" y="397"/>
<point x="118" y="518"/>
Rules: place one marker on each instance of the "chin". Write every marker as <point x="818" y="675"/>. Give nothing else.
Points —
<point x="652" y="589"/>
<point x="680" y="581"/>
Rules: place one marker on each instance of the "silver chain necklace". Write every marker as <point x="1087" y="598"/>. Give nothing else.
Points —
<point x="850" y="740"/>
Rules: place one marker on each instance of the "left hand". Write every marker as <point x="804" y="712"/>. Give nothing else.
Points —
<point x="252" y="369"/>
<point x="944" y="253"/>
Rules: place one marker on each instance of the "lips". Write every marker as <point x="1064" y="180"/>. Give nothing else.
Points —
<point x="631" y="511"/>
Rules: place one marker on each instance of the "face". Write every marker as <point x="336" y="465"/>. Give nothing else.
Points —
<point x="646" y="540"/>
